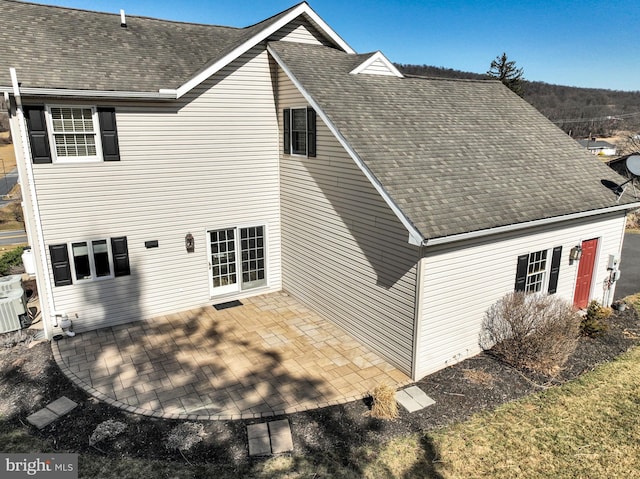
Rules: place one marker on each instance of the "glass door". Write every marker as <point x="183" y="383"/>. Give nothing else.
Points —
<point x="222" y="261"/>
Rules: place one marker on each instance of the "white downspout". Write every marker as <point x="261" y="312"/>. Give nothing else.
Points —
<point x="417" y="318"/>
<point x="50" y="306"/>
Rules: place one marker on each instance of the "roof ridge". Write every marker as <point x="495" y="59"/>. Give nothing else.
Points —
<point x="472" y="80"/>
<point x="275" y="15"/>
<point x="145" y="17"/>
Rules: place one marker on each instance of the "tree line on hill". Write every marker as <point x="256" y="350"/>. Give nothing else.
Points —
<point x="580" y="112"/>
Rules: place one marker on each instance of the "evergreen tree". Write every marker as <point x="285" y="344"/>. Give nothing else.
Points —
<point x="505" y="70"/>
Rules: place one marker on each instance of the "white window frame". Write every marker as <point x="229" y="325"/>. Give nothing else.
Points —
<point x="92" y="265"/>
<point x="544" y="282"/>
<point x="306" y="131"/>
<point x="237" y="286"/>
<point x="96" y="132"/>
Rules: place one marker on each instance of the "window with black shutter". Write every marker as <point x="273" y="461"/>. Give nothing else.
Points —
<point x="120" y="256"/>
<point x="109" y="134"/>
<point x="299" y="131"/>
<point x="72" y="133"/>
<point x="60" y="264"/>
<point x="555" y="269"/>
<point x="38" y="136"/>
<point x="535" y="273"/>
<point x="82" y="261"/>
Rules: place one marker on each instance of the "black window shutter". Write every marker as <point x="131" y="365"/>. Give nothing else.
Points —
<point x="60" y="264"/>
<point x="109" y="134"/>
<point x="555" y="269"/>
<point x="287" y="130"/>
<point x="120" y="256"/>
<point x="521" y="272"/>
<point x="38" y="137"/>
<point x="311" y="132"/>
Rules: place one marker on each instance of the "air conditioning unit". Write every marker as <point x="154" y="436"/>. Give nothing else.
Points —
<point x="13" y="310"/>
<point x="12" y="282"/>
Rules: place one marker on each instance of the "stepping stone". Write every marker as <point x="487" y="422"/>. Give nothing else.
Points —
<point x="269" y="438"/>
<point x="42" y="418"/>
<point x="413" y="399"/>
<point x="62" y="406"/>
<point x="51" y="412"/>
<point x="281" y="440"/>
<point x="259" y="444"/>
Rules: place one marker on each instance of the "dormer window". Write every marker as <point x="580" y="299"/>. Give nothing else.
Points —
<point x="299" y="131"/>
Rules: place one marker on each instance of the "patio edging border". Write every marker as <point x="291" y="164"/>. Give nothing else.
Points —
<point x="185" y="416"/>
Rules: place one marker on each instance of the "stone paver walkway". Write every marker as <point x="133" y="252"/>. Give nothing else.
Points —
<point x="268" y="357"/>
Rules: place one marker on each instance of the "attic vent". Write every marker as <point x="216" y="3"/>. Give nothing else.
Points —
<point x="377" y="64"/>
<point x="123" y="20"/>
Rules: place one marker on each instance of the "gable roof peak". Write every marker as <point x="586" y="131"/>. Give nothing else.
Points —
<point x="377" y="64"/>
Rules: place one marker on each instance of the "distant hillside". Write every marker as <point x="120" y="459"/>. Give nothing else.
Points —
<point x="578" y="111"/>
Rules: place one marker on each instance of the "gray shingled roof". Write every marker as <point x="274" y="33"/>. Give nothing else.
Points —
<point x="455" y="155"/>
<point x="54" y="47"/>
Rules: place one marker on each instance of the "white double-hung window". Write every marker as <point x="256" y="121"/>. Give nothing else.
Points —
<point x="74" y="133"/>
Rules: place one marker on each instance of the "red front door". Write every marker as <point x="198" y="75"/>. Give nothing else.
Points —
<point x="585" y="273"/>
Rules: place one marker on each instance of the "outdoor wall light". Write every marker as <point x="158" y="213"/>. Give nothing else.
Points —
<point x="575" y="253"/>
<point x="189" y="243"/>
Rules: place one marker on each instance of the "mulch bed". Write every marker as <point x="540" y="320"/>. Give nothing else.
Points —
<point x="30" y="379"/>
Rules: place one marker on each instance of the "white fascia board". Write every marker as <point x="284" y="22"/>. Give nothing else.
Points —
<point x="303" y="8"/>
<point x="374" y="58"/>
<point x="415" y="238"/>
<point x="525" y="225"/>
<point x="126" y="95"/>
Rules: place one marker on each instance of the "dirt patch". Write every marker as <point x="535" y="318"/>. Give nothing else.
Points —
<point x="30" y="379"/>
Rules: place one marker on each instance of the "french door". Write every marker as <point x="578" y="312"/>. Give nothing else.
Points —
<point x="236" y="259"/>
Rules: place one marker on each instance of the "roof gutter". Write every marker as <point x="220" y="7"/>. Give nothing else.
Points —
<point x="528" y="224"/>
<point x="124" y="95"/>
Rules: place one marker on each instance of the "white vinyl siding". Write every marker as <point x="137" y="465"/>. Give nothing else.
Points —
<point x="345" y="253"/>
<point x="462" y="281"/>
<point x="208" y="161"/>
<point x="300" y="31"/>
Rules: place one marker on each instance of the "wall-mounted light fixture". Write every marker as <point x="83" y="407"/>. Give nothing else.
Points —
<point x="189" y="243"/>
<point x="575" y="253"/>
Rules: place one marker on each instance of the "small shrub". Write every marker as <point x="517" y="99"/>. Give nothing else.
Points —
<point x="593" y="323"/>
<point x="531" y="331"/>
<point x="10" y="258"/>
<point x="186" y="435"/>
<point x="106" y="430"/>
<point x="384" y="404"/>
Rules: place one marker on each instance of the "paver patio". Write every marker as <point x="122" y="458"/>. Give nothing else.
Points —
<point x="270" y="356"/>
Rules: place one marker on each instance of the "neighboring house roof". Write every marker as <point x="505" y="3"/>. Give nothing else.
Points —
<point x="454" y="156"/>
<point x="61" y="48"/>
<point x="595" y="144"/>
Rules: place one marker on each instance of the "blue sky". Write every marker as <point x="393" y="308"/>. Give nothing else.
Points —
<point x="587" y="43"/>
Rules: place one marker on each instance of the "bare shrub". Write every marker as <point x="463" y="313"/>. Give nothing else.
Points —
<point x="186" y="435"/>
<point x="531" y="331"/>
<point x="384" y="402"/>
<point x="106" y="430"/>
<point x="633" y="220"/>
